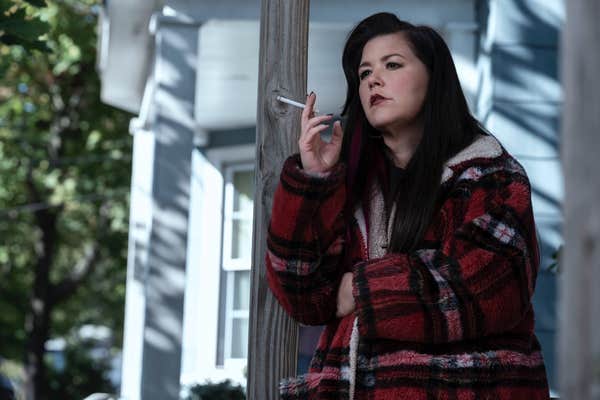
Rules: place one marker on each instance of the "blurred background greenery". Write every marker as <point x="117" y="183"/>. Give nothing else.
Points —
<point x="64" y="183"/>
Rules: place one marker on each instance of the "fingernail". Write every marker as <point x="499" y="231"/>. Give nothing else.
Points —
<point x="311" y="93"/>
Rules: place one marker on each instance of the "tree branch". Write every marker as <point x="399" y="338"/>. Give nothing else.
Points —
<point x="86" y="265"/>
<point x="83" y="269"/>
<point x="46" y="222"/>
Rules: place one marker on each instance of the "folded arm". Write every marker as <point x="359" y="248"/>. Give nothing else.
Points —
<point x="478" y="282"/>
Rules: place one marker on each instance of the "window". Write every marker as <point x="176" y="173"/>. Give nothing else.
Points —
<point x="237" y="259"/>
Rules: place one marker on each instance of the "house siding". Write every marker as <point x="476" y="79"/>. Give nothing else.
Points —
<point x="519" y="100"/>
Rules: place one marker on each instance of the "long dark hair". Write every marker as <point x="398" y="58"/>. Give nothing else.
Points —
<point x="448" y="128"/>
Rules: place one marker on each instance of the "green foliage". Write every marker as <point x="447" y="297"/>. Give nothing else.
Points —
<point x="82" y="375"/>
<point x="21" y="24"/>
<point x="37" y="3"/>
<point x="12" y="372"/>
<point x="556" y="256"/>
<point x="64" y="153"/>
<point x="216" y="391"/>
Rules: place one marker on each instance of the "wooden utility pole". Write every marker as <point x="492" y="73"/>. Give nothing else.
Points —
<point x="273" y="336"/>
<point x="579" y="330"/>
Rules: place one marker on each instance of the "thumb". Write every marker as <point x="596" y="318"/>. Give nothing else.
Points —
<point x="338" y="133"/>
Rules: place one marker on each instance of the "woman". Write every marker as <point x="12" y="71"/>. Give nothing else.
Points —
<point x="410" y="235"/>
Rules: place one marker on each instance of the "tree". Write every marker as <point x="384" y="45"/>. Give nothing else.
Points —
<point x="19" y="27"/>
<point x="64" y="178"/>
<point x="84" y="372"/>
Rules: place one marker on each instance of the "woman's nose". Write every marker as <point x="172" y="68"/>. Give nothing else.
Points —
<point x="374" y="79"/>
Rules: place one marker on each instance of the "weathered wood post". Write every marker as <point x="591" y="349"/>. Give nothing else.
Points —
<point x="273" y="336"/>
<point x="579" y="329"/>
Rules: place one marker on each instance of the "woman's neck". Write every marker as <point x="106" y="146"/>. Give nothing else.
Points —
<point x="403" y="144"/>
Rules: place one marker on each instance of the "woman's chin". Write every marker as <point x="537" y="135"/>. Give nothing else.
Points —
<point x="379" y="123"/>
<point x="382" y="126"/>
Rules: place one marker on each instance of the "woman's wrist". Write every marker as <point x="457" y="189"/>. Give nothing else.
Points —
<point x="317" y="173"/>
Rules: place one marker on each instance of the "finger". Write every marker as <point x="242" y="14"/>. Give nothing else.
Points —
<point x="313" y="122"/>
<point x="338" y="133"/>
<point x="313" y="133"/>
<point x="312" y="100"/>
<point x="308" y="108"/>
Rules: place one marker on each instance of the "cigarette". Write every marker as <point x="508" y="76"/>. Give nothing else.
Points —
<point x="293" y="103"/>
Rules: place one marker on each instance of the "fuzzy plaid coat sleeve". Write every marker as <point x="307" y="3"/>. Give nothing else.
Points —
<point x="304" y="242"/>
<point x="477" y="282"/>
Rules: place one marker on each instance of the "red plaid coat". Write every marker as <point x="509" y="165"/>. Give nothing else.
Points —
<point x="451" y="320"/>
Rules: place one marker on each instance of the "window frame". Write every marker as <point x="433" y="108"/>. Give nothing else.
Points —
<point x="229" y="265"/>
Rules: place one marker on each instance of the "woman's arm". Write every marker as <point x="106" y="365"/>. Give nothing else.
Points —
<point x="478" y="282"/>
<point x="304" y="242"/>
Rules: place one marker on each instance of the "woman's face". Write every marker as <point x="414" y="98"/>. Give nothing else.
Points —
<point x="393" y="83"/>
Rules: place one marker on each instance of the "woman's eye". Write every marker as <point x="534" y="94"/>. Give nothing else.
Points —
<point x="393" y="65"/>
<point x="364" y="74"/>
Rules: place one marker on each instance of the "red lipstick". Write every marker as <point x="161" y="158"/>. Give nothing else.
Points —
<point x="376" y="99"/>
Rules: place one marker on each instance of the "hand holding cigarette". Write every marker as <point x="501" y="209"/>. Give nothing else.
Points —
<point x="317" y="155"/>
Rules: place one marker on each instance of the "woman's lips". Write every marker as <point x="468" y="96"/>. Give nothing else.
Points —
<point x="376" y="99"/>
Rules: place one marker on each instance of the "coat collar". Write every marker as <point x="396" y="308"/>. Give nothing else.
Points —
<point x="374" y="235"/>
<point x="485" y="146"/>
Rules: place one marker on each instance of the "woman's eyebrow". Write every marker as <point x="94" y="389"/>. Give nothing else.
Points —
<point x="391" y="55"/>
<point x="366" y="63"/>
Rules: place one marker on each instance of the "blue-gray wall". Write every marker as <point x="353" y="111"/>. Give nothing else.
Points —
<point x="157" y="262"/>
<point x="519" y="100"/>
